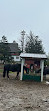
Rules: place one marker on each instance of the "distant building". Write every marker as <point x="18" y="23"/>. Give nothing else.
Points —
<point x="15" y="51"/>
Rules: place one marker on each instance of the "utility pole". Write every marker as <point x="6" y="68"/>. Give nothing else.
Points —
<point x="23" y="34"/>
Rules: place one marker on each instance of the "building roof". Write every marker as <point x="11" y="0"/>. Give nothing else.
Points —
<point x="14" y="47"/>
<point x="32" y="55"/>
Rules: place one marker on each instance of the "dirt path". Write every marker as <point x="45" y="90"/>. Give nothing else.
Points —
<point x="16" y="95"/>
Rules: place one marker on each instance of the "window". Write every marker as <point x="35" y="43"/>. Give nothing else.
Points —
<point x="17" y="57"/>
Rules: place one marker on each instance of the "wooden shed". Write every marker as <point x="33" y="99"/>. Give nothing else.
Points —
<point x="30" y="58"/>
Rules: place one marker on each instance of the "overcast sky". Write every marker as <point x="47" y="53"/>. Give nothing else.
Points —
<point x="18" y="15"/>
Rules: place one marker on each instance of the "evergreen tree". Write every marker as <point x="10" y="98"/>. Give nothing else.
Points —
<point x="34" y="45"/>
<point x="5" y="54"/>
<point x="4" y="39"/>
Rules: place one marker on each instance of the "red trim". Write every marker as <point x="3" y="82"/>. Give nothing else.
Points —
<point x="15" y="54"/>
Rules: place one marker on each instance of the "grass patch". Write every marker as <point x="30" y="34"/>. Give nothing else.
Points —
<point x="1" y="70"/>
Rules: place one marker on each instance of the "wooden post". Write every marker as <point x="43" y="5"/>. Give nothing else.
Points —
<point x="22" y="63"/>
<point x="42" y="68"/>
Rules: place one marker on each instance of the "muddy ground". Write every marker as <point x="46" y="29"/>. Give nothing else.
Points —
<point x="16" y="95"/>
